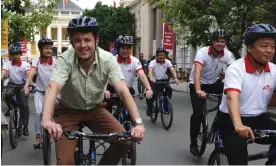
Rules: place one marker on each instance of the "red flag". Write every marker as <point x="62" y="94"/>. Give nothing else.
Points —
<point x="114" y="4"/>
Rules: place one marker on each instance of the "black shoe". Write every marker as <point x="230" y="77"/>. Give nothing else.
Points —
<point x="194" y="150"/>
<point x="25" y="131"/>
<point x="37" y="146"/>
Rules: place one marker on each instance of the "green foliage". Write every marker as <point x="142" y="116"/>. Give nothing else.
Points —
<point x="113" y="22"/>
<point x="27" y="17"/>
<point x="200" y="17"/>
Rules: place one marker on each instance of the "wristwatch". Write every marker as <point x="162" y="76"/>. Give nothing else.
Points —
<point x="138" y="121"/>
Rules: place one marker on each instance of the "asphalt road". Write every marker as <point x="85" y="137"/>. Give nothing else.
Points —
<point x="160" y="147"/>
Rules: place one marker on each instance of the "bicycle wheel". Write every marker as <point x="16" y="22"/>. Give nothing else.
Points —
<point x="202" y="135"/>
<point x="166" y="112"/>
<point x="130" y="156"/>
<point x="14" y="127"/>
<point x="46" y="145"/>
<point x="1" y="144"/>
<point x="154" y="112"/>
<point x="218" y="157"/>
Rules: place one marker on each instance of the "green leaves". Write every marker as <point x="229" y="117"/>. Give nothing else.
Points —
<point x="202" y="16"/>
<point x="113" y="22"/>
<point x="26" y="17"/>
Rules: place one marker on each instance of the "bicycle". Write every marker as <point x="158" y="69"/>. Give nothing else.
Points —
<point x="121" y="114"/>
<point x="89" y="158"/>
<point x="219" y="157"/>
<point x="162" y="104"/>
<point x="14" y="122"/>
<point x="205" y="135"/>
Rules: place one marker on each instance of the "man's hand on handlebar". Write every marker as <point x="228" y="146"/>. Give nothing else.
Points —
<point x="201" y="94"/>
<point x="244" y="131"/>
<point x="176" y="81"/>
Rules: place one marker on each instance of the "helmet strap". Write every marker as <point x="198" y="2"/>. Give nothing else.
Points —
<point x="255" y="60"/>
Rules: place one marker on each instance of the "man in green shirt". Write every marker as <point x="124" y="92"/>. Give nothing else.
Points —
<point x="79" y="77"/>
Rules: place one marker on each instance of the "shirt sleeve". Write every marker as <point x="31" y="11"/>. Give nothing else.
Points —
<point x="137" y="65"/>
<point x="199" y="57"/>
<point x="35" y="62"/>
<point x="151" y="65"/>
<point x="233" y="80"/>
<point x="6" y="66"/>
<point x="61" y="71"/>
<point x="114" y="72"/>
<point x="28" y="67"/>
<point x="169" y="63"/>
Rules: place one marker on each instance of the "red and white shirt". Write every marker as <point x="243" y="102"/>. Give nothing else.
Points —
<point x="44" y="72"/>
<point x="211" y="65"/>
<point x="160" y="68"/>
<point x="17" y="71"/>
<point x="255" y="88"/>
<point x="129" y="69"/>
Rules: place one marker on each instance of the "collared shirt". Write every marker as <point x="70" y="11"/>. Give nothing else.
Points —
<point x="83" y="91"/>
<point x="211" y="65"/>
<point x="129" y="69"/>
<point x="44" y="72"/>
<point x="159" y="69"/>
<point x="256" y="89"/>
<point x="17" y="71"/>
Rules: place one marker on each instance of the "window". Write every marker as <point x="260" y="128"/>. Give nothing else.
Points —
<point x="54" y="51"/>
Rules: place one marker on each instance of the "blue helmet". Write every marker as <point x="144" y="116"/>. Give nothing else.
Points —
<point x="15" y="48"/>
<point x="84" y="24"/>
<point x="161" y="49"/>
<point x="254" y="32"/>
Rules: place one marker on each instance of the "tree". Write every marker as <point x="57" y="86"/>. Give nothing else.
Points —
<point x="27" y="17"/>
<point x="113" y="22"/>
<point x="198" y="18"/>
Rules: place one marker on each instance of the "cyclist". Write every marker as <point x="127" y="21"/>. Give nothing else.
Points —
<point x="157" y="71"/>
<point x="145" y="65"/>
<point x="79" y="75"/>
<point x="248" y="87"/>
<point x="130" y="66"/>
<point x="43" y="66"/>
<point x="208" y="64"/>
<point x="18" y="71"/>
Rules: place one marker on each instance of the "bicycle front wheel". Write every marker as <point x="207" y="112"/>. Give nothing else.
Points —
<point x="154" y="111"/>
<point x="218" y="157"/>
<point x="14" y="127"/>
<point x="46" y="145"/>
<point x="130" y="156"/>
<point x="166" y="112"/>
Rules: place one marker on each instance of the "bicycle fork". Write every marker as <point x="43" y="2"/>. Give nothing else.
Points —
<point x="92" y="153"/>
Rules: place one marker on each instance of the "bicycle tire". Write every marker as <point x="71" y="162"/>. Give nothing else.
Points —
<point x="154" y="113"/>
<point x="1" y="144"/>
<point x="131" y="153"/>
<point x="13" y="125"/>
<point x="203" y="136"/>
<point x="167" y="126"/>
<point x="219" y="157"/>
<point x="46" y="145"/>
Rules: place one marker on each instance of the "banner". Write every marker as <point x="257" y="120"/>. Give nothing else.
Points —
<point x="23" y="44"/>
<point x="167" y="36"/>
<point x="4" y="37"/>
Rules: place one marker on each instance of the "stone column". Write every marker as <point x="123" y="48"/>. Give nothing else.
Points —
<point x="48" y="32"/>
<point x="59" y="39"/>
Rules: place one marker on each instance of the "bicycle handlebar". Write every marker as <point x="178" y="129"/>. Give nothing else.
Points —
<point x="72" y="135"/>
<point x="260" y="134"/>
<point x="213" y="95"/>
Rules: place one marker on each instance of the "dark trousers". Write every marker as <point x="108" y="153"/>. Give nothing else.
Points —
<point x="197" y="104"/>
<point x="140" y="87"/>
<point x="158" y="88"/>
<point x="22" y="103"/>
<point x="111" y="101"/>
<point x="236" y="146"/>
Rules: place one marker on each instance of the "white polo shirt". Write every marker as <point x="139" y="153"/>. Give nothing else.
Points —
<point x="129" y="69"/>
<point x="160" y="68"/>
<point x="255" y="89"/>
<point x="17" y="72"/>
<point x="212" y="66"/>
<point x="44" y="72"/>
